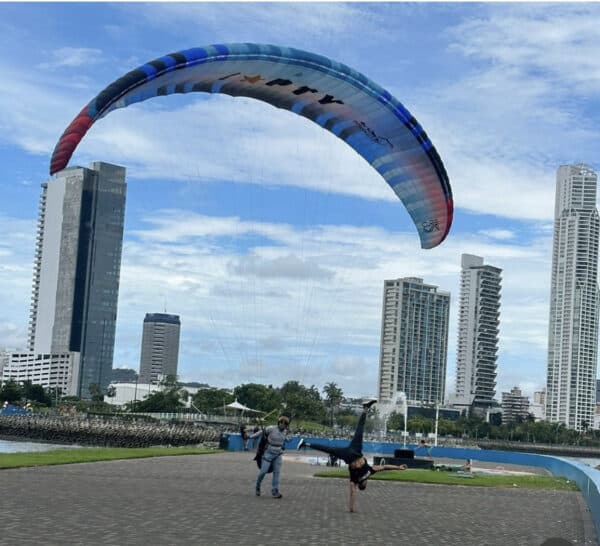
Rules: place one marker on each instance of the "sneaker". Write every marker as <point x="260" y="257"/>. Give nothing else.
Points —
<point x="369" y="403"/>
<point x="277" y="495"/>
<point x="300" y="444"/>
<point x="257" y="492"/>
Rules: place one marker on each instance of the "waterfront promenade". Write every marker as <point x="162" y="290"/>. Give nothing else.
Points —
<point x="209" y="500"/>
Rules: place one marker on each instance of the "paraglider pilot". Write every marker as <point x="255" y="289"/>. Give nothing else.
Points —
<point x="276" y="437"/>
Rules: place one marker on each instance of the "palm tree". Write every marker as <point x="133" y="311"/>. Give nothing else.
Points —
<point x="334" y="396"/>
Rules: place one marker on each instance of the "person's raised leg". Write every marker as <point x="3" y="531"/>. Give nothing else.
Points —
<point x="339" y="452"/>
<point x="357" y="440"/>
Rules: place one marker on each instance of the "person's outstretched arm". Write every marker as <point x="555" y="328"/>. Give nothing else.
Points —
<point x="380" y="467"/>
<point x="256" y="434"/>
<point x="352" y="495"/>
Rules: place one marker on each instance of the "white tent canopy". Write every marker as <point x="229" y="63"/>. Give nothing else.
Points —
<point x="237" y="406"/>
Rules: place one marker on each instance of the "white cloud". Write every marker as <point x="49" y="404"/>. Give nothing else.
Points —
<point x="517" y="109"/>
<point x="239" y="140"/>
<point x="325" y="325"/>
<point x="500" y="234"/>
<point x="36" y="123"/>
<point x="281" y="23"/>
<point x="16" y="266"/>
<point x="318" y="320"/>
<point x="558" y="43"/>
<point x="72" y="57"/>
<point x="501" y="126"/>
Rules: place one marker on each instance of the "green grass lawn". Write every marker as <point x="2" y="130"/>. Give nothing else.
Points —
<point x="88" y="455"/>
<point x="450" y="478"/>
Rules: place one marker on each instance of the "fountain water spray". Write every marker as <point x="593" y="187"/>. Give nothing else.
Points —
<point x="387" y="407"/>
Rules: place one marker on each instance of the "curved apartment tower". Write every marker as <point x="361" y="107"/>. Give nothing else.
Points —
<point x="573" y="327"/>
<point x="478" y="328"/>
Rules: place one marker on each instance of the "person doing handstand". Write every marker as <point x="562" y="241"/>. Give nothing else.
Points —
<point x="360" y="470"/>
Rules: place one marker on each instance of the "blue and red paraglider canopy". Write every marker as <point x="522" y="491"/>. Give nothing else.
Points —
<point x="333" y="95"/>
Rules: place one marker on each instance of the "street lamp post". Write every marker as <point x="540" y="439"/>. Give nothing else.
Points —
<point x="437" y="418"/>
<point x="405" y="411"/>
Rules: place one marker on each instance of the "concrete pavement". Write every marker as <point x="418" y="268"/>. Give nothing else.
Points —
<point x="209" y="500"/>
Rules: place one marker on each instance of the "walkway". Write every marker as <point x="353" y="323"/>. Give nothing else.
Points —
<point x="209" y="500"/>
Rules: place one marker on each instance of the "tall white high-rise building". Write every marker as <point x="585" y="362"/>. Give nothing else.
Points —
<point x="573" y="327"/>
<point x="414" y="341"/>
<point x="77" y="268"/>
<point x="478" y="327"/>
<point x="160" y="347"/>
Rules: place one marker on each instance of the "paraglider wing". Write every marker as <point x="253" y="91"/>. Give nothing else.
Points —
<point x="334" y="96"/>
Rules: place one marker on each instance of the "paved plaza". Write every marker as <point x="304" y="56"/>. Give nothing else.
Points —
<point x="209" y="500"/>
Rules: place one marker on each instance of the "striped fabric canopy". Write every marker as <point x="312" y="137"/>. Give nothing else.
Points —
<point x="334" y="96"/>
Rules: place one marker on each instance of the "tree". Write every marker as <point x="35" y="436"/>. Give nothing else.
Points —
<point x="35" y="393"/>
<point x="211" y="400"/>
<point x="96" y="392"/>
<point x="395" y="421"/>
<point x="334" y="397"/>
<point x="420" y="424"/>
<point x="302" y="402"/>
<point x="167" y="400"/>
<point x="11" y="392"/>
<point x="169" y="381"/>
<point x="259" y="397"/>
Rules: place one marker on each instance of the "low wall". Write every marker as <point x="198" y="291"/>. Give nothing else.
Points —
<point x="587" y="478"/>
<point x="97" y="432"/>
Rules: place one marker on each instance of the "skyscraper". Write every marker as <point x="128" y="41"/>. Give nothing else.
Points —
<point x="414" y="341"/>
<point x="77" y="268"/>
<point x="478" y="320"/>
<point x="573" y="326"/>
<point x="160" y="346"/>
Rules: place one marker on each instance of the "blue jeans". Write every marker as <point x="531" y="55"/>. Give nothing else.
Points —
<point x="350" y="453"/>
<point x="264" y="468"/>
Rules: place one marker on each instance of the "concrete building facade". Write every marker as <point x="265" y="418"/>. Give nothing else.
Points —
<point x="515" y="406"/>
<point x="538" y="407"/>
<point x="414" y="341"/>
<point x="160" y="347"/>
<point x="51" y="371"/>
<point x="573" y="324"/>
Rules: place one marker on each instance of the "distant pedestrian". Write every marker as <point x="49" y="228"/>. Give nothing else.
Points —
<point x="360" y="471"/>
<point x="276" y="437"/>
<point x="244" y="434"/>
<point x="424" y="448"/>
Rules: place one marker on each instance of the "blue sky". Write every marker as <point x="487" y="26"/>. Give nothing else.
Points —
<point x="270" y="237"/>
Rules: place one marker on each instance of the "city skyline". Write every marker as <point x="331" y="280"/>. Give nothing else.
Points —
<point x="270" y="238"/>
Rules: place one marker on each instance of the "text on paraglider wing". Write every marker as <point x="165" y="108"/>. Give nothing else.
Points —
<point x="372" y="134"/>
<point x="326" y="99"/>
<point x="431" y="225"/>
